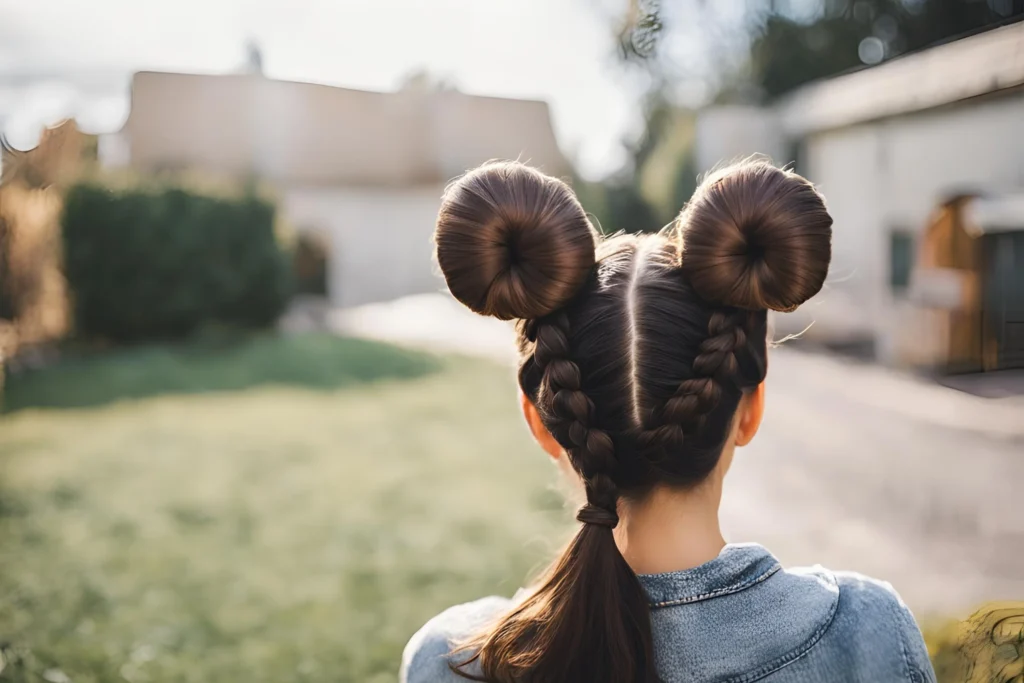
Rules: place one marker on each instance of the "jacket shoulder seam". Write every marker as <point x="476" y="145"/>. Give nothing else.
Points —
<point x="801" y="651"/>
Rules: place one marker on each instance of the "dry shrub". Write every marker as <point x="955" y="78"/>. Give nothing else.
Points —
<point x="33" y="297"/>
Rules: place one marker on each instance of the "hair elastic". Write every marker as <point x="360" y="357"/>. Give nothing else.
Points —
<point x="592" y="514"/>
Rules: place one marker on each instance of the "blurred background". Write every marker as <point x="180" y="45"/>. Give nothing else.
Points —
<point x="247" y="435"/>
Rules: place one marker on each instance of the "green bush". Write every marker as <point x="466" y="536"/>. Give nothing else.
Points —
<point x="157" y="263"/>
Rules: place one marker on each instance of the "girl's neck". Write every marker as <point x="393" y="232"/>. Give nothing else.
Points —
<point x="671" y="530"/>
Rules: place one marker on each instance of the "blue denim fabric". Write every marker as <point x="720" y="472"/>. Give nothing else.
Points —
<point x="738" y="618"/>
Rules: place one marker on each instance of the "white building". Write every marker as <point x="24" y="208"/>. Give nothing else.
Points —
<point x="887" y="145"/>
<point x="364" y="170"/>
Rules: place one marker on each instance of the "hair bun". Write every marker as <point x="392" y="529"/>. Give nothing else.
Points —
<point x="513" y="242"/>
<point x="756" y="237"/>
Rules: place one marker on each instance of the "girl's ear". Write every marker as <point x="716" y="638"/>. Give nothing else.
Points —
<point x="537" y="428"/>
<point x="752" y="410"/>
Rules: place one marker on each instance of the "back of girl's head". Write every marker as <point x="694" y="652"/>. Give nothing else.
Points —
<point x="636" y="351"/>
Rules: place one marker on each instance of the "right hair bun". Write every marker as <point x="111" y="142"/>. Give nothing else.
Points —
<point x="513" y="242"/>
<point x="756" y="237"/>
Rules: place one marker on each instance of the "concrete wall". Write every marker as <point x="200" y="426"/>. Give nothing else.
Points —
<point x="889" y="175"/>
<point x="380" y="239"/>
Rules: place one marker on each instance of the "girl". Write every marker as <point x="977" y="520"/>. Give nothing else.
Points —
<point x="642" y="361"/>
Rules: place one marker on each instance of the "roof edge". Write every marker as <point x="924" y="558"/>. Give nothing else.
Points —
<point x="979" y="64"/>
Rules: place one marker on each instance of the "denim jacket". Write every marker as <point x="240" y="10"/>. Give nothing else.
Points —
<point x="738" y="618"/>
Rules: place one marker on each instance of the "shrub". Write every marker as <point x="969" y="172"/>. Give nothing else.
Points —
<point x="33" y="299"/>
<point x="151" y="263"/>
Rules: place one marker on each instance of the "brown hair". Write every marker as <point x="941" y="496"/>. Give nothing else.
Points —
<point x="636" y="351"/>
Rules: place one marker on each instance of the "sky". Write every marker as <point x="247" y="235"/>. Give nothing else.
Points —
<point x="69" y="57"/>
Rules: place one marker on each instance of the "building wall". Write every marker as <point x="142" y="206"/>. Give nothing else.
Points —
<point x="364" y="169"/>
<point x="727" y="133"/>
<point x="302" y="133"/>
<point x="890" y="175"/>
<point x="844" y="164"/>
<point x="113" y="150"/>
<point x="380" y="238"/>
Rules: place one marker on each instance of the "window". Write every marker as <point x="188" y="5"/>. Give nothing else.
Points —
<point x="901" y="260"/>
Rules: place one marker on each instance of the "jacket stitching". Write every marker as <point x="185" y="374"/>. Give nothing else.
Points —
<point x="717" y="593"/>
<point x="910" y="669"/>
<point x="801" y="651"/>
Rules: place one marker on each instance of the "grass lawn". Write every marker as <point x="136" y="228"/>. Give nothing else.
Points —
<point x="283" y="510"/>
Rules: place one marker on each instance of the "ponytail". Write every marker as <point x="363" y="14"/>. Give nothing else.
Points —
<point x="587" y="622"/>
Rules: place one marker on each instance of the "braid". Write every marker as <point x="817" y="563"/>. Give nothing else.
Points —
<point x="570" y="412"/>
<point x="714" y="366"/>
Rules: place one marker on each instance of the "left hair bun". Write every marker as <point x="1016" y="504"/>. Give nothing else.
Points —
<point x="512" y="242"/>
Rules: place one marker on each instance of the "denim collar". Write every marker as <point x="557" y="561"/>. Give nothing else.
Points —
<point x="738" y="567"/>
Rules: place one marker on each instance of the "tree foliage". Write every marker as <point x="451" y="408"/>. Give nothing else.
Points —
<point x="786" y="53"/>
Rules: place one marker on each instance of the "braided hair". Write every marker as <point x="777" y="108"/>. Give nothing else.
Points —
<point x="636" y="351"/>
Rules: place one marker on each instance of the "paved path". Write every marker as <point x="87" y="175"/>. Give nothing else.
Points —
<point x="856" y="466"/>
<point x="861" y="468"/>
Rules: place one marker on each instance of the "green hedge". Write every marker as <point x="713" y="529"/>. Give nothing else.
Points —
<point x="157" y="263"/>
